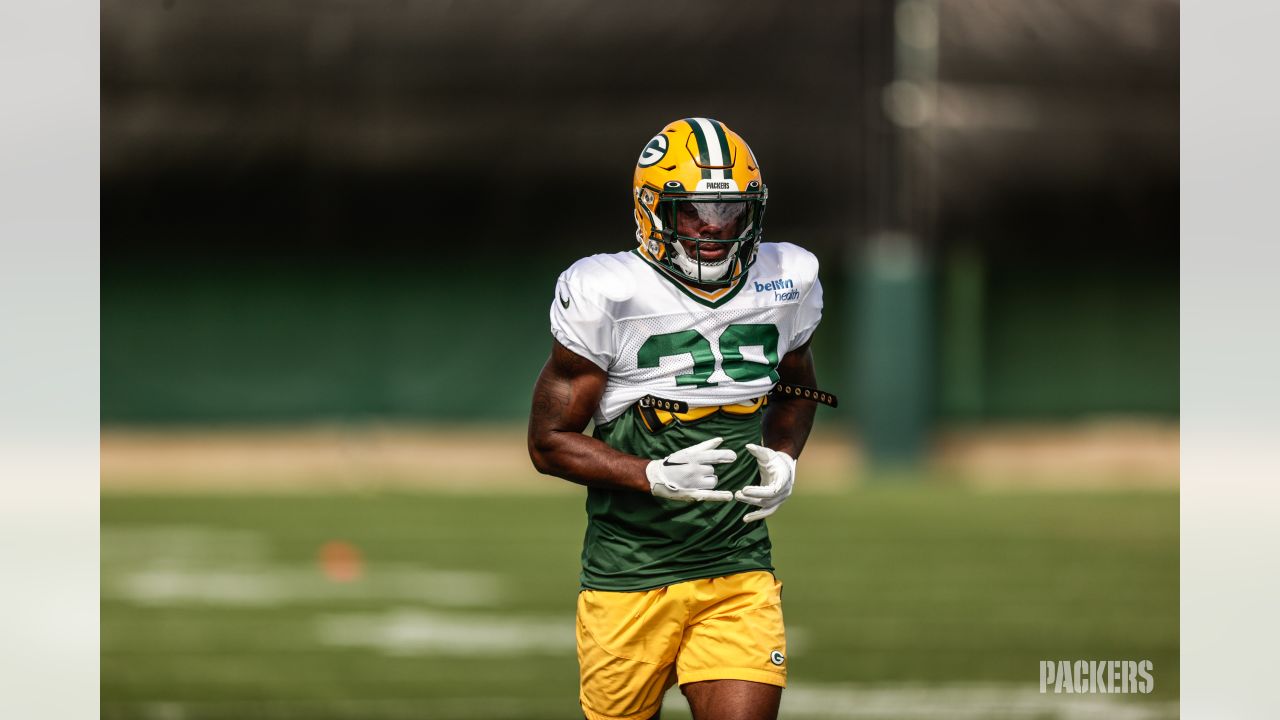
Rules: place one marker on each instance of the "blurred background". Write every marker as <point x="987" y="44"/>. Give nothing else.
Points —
<point x="330" y="232"/>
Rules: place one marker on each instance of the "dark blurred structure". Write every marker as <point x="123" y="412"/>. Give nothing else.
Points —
<point x="355" y="210"/>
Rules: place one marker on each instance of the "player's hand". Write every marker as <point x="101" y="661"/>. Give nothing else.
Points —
<point x="687" y="475"/>
<point x="777" y="475"/>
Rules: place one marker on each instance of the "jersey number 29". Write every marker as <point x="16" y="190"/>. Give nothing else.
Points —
<point x="732" y="340"/>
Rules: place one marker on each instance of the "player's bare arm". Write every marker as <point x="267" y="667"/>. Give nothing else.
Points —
<point x="566" y="394"/>
<point x="785" y="428"/>
<point x="564" y="398"/>
<point x="788" y="419"/>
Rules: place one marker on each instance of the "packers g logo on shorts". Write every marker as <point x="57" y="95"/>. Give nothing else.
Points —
<point x="654" y="151"/>
<point x="777" y="658"/>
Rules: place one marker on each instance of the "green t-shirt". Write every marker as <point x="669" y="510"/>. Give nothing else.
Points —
<point x="636" y="541"/>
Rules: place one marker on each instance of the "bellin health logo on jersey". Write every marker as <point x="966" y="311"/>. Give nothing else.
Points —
<point x="782" y="290"/>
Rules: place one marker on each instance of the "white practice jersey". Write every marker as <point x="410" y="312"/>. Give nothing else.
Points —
<point x="656" y="336"/>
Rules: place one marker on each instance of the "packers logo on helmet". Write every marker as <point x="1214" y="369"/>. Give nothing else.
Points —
<point x="699" y="202"/>
<point x="654" y="151"/>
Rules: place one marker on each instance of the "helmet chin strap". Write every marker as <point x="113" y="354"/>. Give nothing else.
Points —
<point x="709" y="271"/>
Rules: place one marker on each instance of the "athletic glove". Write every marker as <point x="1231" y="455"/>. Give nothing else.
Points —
<point x="687" y="475"/>
<point x="777" y="475"/>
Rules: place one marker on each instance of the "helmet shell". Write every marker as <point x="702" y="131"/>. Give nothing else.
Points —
<point x="694" y="159"/>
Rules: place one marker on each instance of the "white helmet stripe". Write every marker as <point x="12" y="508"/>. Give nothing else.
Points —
<point x="714" y="154"/>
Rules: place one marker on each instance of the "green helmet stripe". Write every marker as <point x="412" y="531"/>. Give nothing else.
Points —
<point x="701" y="139"/>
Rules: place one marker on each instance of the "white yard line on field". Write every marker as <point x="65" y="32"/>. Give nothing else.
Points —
<point x="288" y="585"/>
<point x="185" y="545"/>
<point x="193" y="565"/>
<point x="410" y="631"/>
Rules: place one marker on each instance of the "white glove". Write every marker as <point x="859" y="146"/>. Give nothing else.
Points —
<point x="777" y="475"/>
<point x="687" y="475"/>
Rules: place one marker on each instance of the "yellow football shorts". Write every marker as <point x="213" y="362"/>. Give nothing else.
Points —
<point x="633" y="646"/>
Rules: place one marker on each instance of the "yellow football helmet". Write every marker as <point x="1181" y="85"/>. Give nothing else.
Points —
<point x="699" y="202"/>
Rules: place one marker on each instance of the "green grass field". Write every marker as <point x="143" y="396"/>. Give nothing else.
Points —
<point x="901" y="602"/>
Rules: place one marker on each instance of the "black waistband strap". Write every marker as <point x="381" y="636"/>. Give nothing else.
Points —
<point x="657" y="403"/>
<point x="805" y="393"/>
<point x="784" y="389"/>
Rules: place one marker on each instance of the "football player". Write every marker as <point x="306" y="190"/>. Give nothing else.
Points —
<point x="676" y="350"/>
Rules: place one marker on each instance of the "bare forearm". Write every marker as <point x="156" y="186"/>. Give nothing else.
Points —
<point x="787" y="424"/>
<point x="587" y="461"/>
<point x="564" y="398"/>
<point x="788" y="420"/>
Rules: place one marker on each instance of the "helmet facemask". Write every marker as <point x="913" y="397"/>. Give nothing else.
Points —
<point x="710" y="240"/>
